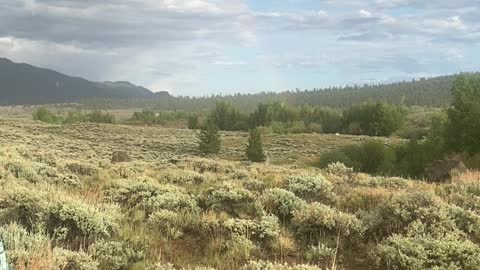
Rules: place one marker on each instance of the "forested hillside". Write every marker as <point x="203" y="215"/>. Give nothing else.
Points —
<point x="22" y="84"/>
<point x="434" y="92"/>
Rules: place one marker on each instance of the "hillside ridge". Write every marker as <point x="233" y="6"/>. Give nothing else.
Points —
<point x="22" y="84"/>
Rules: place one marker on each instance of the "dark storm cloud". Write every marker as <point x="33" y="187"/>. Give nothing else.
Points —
<point x="110" y="23"/>
<point x="175" y="44"/>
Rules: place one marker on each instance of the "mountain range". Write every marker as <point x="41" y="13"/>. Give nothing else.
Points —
<point x="22" y="84"/>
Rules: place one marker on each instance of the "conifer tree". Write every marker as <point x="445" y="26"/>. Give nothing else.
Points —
<point x="463" y="126"/>
<point x="254" y="149"/>
<point x="209" y="141"/>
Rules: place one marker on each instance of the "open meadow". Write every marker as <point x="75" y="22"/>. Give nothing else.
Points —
<point x="93" y="143"/>
<point x="239" y="135"/>
<point x="65" y="205"/>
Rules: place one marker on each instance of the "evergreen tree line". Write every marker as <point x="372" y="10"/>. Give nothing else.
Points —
<point x="453" y="135"/>
<point x="456" y="135"/>
<point x="434" y="92"/>
<point x="373" y="119"/>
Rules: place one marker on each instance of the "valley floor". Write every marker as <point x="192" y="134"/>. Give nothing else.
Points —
<point x="97" y="141"/>
<point x="65" y="205"/>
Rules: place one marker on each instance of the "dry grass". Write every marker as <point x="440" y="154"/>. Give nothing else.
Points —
<point x="166" y="159"/>
<point x="468" y="177"/>
<point x="98" y="141"/>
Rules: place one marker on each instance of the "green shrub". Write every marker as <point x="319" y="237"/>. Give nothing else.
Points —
<point x="74" y="220"/>
<point x="193" y="122"/>
<point x="281" y="203"/>
<point x="75" y="117"/>
<point x="81" y="168"/>
<point x="44" y="115"/>
<point x="238" y="248"/>
<point x="22" y="169"/>
<point x="27" y="250"/>
<point x="231" y="199"/>
<point x="21" y="246"/>
<point x="100" y="117"/>
<point x="278" y="127"/>
<point x="337" y="156"/>
<point x="311" y="187"/>
<point x="265" y="130"/>
<point x="182" y="177"/>
<point x="162" y="266"/>
<point x="145" y="117"/>
<point x="464" y="195"/>
<point x="395" y="215"/>
<point x="169" y="266"/>
<point x="22" y="205"/>
<point x="69" y="180"/>
<point x="370" y="157"/>
<point x="66" y="218"/>
<point x="92" y="117"/>
<point x="320" y="254"/>
<point x="338" y="168"/>
<point x="125" y="170"/>
<point x="264" y="265"/>
<point x="4" y="174"/>
<point x="167" y="223"/>
<point x="297" y="127"/>
<point x="150" y="196"/>
<point x="172" y="201"/>
<point x="466" y="220"/>
<point x="44" y="170"/>
<point x="255" y="185"/>
<point x="375" y="157"/>
<point x="426" y="252"/>
<point x="315" y="128"/>
<point x="264" y="229"/>
<point x="383" y="182"/>
<point x="317" y="221"/>
<point x="213" y="166"/>
<point x="66" y="259"/>
<point x="115" y="255"/>
<point x="414" y="156"/>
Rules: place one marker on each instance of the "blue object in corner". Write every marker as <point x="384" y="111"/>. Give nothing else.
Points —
<point x="3" y="257"/>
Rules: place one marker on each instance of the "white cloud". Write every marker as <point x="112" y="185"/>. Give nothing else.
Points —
<point x="166" y="44"/>
<point x="230" y="63"/>
<point x="12" y="45"/>
<point x="365" y="14"/>
<point x="451" y="23"/>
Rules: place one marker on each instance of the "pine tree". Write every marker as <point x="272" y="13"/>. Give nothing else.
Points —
<point x="209" y="139"/>
<point x="463" y="127"/>
<point x="255" y="147"/>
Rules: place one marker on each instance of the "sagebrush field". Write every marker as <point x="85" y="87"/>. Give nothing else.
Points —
<point x="65" y="205"/>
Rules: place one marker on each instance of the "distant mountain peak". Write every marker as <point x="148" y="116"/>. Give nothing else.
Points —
<point x="25" y="84"/>
<point x="119" y="84"/>
<point x="125" y="82"/>
<point x="5" y="60"/>
<point x="162" y="93"/>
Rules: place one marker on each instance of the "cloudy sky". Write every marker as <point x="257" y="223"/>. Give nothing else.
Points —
<point x="199" y="47"/>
